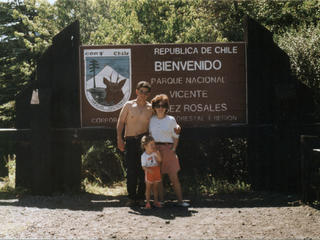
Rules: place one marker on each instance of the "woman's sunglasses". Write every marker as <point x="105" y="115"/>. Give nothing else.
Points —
<point x="161" y="106"/>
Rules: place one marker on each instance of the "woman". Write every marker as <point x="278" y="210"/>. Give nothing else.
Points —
<point x="161" y="128"/>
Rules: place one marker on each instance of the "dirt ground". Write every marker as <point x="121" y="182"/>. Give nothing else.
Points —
<point x="234" y="216"/>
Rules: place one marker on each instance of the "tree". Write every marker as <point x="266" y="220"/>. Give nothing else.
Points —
<point x="303" y="48"/>
<point x="20" y="47"/>
<point x="27" y="28"/>
<point x="279" y="16"/>
<point x="93" y="66"/>
<point x="88" y="12"/>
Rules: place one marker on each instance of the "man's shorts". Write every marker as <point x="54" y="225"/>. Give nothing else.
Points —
<point x="155" y="177"/>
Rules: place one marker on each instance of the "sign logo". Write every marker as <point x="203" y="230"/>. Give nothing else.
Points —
<point x="108" y="80"/>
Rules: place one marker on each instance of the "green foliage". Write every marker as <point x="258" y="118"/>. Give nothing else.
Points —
<point x="222" y="158"/>
<point x="11" y="165"/>
<point x="8" y="189"/>
<point x="278" y="16"/>
<point x="160" y="21"/>
<point x="26" y="29"/>
<point x="90" y="13"/>
<point x="112" y="189"/>
<point x="101" y="163"/>
<point x="206" y="185"/>
<point x="22" y="43"/>
<point x="303" y="47"/>
<point x="218" y="166"/>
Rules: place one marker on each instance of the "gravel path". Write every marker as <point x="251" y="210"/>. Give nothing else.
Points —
<point x="88" y="216"/>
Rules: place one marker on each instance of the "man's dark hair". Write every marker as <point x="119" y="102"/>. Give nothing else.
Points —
<point x="144" y="84"/>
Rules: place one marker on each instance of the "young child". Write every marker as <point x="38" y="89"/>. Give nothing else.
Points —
<point x="149" y="162"/>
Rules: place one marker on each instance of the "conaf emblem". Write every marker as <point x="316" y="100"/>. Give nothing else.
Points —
<point x="107" y="90"/>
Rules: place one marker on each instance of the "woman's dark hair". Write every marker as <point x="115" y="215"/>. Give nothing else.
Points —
<point x="157" y="99"/>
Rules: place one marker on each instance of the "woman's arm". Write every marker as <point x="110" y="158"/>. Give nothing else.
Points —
<point x="175" y="143"/>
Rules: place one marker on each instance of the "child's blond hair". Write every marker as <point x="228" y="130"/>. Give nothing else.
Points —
<point x="145" y="140"/>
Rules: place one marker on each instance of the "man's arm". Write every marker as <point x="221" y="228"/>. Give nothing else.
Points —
<point x="120" y="126"/>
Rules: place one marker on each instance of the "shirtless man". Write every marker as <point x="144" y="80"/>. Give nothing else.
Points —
<point x="135" y="115"/>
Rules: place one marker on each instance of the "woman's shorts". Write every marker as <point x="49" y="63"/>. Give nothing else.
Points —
<point x="155" y="177"/>
<point x="170" y="161"/>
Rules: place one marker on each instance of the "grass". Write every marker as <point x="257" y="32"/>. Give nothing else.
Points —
<point x="7" y="189"/>
<point x="207" y="184"/>
<point x="190" y="186"/>
<point x="114" y="189"/>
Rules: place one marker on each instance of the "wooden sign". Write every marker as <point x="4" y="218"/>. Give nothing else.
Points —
<point x="205" y="82"/>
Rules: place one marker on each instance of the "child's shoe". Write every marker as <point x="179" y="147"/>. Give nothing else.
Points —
<point x="157" y="204"/>
<point x="148" y="206"/>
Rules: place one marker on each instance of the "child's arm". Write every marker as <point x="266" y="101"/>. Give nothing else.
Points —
<point x="148" y="170"/>
<point x="158" y="157"/>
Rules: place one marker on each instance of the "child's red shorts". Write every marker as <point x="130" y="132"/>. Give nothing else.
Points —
<point x="155" y="177"/>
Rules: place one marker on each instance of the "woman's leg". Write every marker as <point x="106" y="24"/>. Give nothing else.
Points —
<point x="176" y="186"/>
<point x="161" y="190"/>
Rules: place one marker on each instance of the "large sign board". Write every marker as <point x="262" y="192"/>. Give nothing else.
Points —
<point x="205" y="82"/>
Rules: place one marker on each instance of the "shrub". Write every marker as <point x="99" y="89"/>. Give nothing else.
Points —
<point x="303" y="47"/>
<point x="102" y="163"/>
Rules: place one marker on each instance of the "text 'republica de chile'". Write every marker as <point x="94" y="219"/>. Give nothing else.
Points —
<point x="191" y="65"/>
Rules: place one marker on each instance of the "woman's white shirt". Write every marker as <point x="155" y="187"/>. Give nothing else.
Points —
<point x="162" y="130"/>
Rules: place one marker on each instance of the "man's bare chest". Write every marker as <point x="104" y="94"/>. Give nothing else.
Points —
<point x="137" y="113"/>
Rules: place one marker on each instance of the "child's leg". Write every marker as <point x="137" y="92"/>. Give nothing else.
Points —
<point x="148" y="190"/>
<point x="155" y="191"/>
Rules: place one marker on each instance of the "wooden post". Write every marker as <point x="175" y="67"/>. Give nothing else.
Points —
<point x="273" y="99"/>
<point x="308" y="144"/>
<point x="49" y="163"/>
<point x="40" y="173"/>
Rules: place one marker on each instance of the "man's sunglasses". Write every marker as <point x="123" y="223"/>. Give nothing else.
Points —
<point x="161" y="106"/>
<point x="145" y="93"/>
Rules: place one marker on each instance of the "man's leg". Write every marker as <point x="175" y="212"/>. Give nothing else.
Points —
<point x="141" y="184"/>
<point x="140" y="174"/>
<point x="132" y="176"/>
